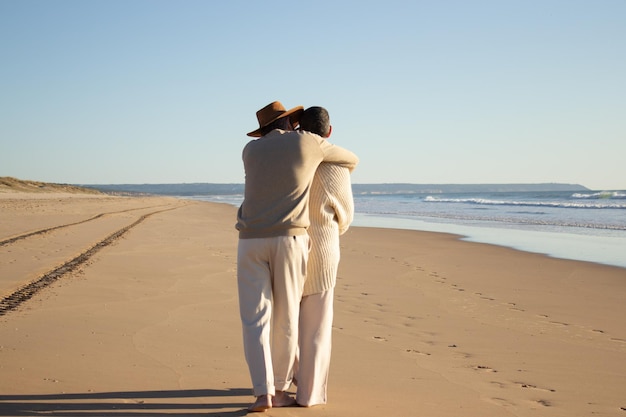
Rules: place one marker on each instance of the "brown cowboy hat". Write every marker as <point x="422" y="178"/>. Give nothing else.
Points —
<point x="273" y="112"/>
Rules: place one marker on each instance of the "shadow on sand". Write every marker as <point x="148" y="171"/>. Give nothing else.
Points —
<point x="116" y="404"/>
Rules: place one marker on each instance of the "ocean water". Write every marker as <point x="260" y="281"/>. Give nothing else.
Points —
<point x="587" y="226"/>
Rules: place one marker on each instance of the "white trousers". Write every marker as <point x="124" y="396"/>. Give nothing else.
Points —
<point x="270" y="279"/>
<point x="315" y="341"/>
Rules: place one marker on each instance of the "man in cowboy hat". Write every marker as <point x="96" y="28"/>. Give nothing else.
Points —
<point x="273" y="245"/>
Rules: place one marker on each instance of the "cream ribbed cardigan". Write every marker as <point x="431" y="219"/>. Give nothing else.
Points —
<point x="331" y="210"/>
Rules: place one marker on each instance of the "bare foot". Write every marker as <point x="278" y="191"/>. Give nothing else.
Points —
<point x="282" y="399"/>
<point x="262" y="403"/>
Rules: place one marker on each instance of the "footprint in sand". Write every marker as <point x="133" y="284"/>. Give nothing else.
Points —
<point x="501" y="401"/>
<point x="417" y="352"/>
<point x="483" y="368"/>
<point x="514" y="307"/>
<point x="463" y="355"/>
<point x="531" y="386"/>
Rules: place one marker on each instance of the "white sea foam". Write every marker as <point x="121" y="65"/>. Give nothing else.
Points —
<point x="601" y="195"/>
<point x="565" y="204"/>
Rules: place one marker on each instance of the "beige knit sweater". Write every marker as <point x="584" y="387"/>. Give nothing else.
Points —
<point x="276" y="193"/>
<point x="331" y="210"/>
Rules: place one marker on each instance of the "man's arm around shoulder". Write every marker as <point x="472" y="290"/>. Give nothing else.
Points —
<point x="337" y="155"/>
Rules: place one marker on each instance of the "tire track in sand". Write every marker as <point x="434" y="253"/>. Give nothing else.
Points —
<point x="26" y="292"/>
<point x="50" y="229"/>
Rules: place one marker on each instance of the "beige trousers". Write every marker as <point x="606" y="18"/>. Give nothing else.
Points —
<point x="270" y="279"/>
<point x="315" y="341"/>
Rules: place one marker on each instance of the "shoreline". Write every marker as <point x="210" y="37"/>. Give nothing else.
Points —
<point x="606" y="250"/>
<point x="577" y="247"/>
<point x="425" y="323"/>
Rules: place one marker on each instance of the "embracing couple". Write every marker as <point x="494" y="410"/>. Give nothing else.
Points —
<point x="297" y="201"/>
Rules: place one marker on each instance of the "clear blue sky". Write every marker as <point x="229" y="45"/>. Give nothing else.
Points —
<point x="151" y="91"/>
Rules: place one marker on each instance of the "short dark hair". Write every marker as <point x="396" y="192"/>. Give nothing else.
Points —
<point x="316" y="120"/>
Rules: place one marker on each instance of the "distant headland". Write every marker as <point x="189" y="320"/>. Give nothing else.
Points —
<point x="188" y="189"/>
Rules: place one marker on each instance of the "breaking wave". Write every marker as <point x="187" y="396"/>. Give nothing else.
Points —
<point x="595" y="203"/>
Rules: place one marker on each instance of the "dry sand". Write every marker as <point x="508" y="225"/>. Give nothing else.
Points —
<point x="135" y="314"/>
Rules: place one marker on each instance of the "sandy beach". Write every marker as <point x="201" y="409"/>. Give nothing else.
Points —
<point x="127" y="306"/>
